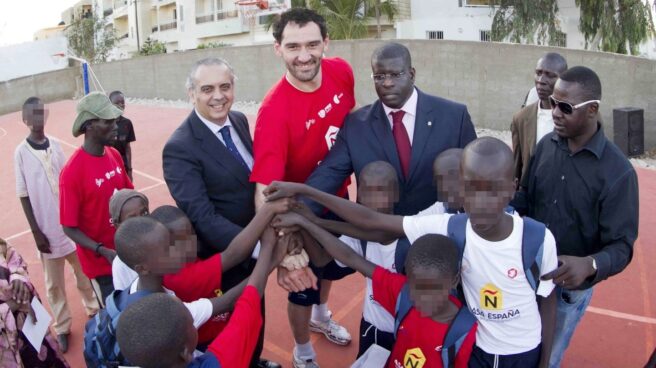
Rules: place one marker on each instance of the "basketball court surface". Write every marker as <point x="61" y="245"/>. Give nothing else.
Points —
<point x="618" y="330"/>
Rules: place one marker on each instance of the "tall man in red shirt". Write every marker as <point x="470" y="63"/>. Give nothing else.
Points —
<point x="296" y="127"/>
<point x="92" y="174"/>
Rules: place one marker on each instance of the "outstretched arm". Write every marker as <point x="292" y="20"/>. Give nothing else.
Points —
<point x="356" y="214"/>
<point x="332" y="245"/>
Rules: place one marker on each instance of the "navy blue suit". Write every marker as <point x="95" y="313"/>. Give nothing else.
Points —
<point x="366" y="136"/>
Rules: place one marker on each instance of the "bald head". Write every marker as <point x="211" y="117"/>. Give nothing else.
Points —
<point x="392" y="50"/>
<point x="447" y="160"/>
<point x="378" y="172"/>
<point x="487" y="158"/>
<point x="555" y="61"/>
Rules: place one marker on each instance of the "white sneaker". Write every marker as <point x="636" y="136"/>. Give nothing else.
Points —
<point x="300" y="363"/>
<point x="334" y="332"/>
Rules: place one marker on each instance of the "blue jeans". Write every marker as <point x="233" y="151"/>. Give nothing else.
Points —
<point x="571" y="306"/>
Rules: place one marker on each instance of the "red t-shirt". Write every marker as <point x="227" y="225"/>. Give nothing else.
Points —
<point x="295" y="129"/>
<point x="196" y="280"/>
<point x="86" y="184"/>
<point x="419" y="339"/>
<point x="235" y="345"/>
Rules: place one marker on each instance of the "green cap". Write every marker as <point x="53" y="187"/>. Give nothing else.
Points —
<point x="95" y="105"/>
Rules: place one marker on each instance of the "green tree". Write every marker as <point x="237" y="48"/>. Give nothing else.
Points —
<point x="348" y="19"/>
<point x="616" y="25"/>
<point x="89" y="38"/>
<point x="152" y="47"/>
<point x="523" y="21"/>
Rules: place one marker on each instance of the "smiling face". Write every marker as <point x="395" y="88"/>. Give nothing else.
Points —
<point x="302" y="48"/>
<point x="393" y="91"/>
<point x="213" y="92"/>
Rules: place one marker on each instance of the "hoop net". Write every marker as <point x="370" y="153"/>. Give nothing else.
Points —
<point x="249" y="9"/>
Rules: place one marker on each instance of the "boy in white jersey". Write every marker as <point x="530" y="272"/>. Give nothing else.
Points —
<point x="512" y="331"/>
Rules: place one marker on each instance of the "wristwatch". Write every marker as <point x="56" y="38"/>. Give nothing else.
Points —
<point x="594" y="264"/>
<point x="98" y="245"/>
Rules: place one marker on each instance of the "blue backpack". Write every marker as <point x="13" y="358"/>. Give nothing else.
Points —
<point x="455" y="335"/>
<point x="402" y="246"/>
<point x="532" y="244"/>
<point x="100" y="346"/>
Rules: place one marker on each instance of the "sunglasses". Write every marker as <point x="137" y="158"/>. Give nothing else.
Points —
<point x="566" y="107"/>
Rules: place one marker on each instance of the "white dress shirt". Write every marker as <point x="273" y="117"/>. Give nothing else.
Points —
<point x="215" y="128"/>
<point x="545" y="123"/>
<point x="410" y="108"/>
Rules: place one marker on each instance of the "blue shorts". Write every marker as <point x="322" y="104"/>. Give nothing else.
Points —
<point x="332" y="271"/>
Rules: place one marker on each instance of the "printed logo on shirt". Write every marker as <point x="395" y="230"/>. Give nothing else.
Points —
<point x="336" y="98"/>
<point x="512" y="273"/>
<point x="99" y="182"/>
<point x="323" y="112"/>
<point x="331" y="136"/>
<point x="309" y="123"/>
<point x="414" y="358"/>
<point x="491" y="297"/>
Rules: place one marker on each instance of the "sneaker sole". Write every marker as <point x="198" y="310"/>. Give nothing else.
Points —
<point x="330" y="338"/>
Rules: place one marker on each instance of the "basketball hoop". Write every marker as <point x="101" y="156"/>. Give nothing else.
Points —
<point x="249" y="9"/>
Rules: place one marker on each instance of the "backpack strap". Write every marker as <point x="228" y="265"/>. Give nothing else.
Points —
<point x="509" y="209"/>
<point x="457" y="230"/>
<point x="532" y="250"/>
<point x="363" y="246"/>
<point x="455" y="335"/>
<point x="401" y="252"/>
<point x="403" y="305"/>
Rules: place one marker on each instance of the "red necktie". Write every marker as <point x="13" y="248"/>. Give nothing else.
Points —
<point x="402" y="141"/>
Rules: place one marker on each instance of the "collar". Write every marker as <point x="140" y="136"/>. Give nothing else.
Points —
<point x="410" y="106"/>
<point x="595" y="145"/>
<point x="214" y="127"/>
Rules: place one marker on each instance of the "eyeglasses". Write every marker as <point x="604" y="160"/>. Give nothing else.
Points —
<point x="566" y="107"/>
<point x="380" y="78"/>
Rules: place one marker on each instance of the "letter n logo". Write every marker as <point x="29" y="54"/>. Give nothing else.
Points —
<point x="491" y="297"/>
<point x="414" y="358"/>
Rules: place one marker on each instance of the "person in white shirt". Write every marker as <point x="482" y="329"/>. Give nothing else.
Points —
<point x="534" y="121"/>
<point x="515" y="330"/>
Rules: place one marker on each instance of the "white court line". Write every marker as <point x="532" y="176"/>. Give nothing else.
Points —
<point x="157" y="180"/>
<point x="2" y="132"/>
<point x="630" y="317"/>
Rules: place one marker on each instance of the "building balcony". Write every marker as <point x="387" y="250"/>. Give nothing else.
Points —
<point x="168" y="26"/>
<point x="204" y="18"/>
<point x="226" y="14"/>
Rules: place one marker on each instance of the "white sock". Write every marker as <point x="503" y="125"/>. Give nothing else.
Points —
<point x="320" y="313"/>
<point x="305" y="351"/>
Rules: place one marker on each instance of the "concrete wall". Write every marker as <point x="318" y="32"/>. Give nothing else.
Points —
<point x="490" y="78"/>
<point x="52" y="86"/>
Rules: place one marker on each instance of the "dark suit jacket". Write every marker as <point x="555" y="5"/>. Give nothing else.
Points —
<point x="366" y="136"/>
<point x="524" y="130"/>
<point x="208" y="183"/>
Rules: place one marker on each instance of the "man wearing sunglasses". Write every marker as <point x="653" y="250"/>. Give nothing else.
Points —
<point x="585" y="190"/>
<point x="534" y="121"/>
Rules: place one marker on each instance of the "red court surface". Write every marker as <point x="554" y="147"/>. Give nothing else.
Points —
<point x="619" y="329"/>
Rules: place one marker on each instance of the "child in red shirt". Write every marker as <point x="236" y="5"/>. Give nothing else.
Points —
<point x="432" y="267"/>
<point x="157" y="330"/>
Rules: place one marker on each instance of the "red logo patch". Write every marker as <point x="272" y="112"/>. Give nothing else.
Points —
<point x="512" y="273"/>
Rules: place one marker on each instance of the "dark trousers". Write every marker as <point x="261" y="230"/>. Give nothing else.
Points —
<point x="102" y="286"/>
<point x="370" y="335"/>
<point x="528" y="359"/>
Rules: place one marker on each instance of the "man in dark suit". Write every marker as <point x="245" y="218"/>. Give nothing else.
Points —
<point x="405" y="127"/>
<point x="534" y="121"/>
<point x="207" y="162"/>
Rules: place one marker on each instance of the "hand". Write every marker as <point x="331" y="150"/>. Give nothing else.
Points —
<point x="305" y="211"/>
<point x="295" y="261"/>
<point x="109" y="254"/>
<point x="297" y="280"/>
<point x="571" y="272"/>
<point x="281" y="189"/>
<point x="21" y="292"/>
<point x="282" y="205"/>
<point x="42" y="242"/>
<point x="287" y="220"/>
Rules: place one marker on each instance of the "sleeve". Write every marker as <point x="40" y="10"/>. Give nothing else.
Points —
<point x="437" y="208"/>
<point x="386" y="288"/>
<point x="618" y="226"/>
<point x="131" y="137"/>
<point x="416" y="226"/>
<point x="69" y="197"/>
<point x="17" y="266"/>
<point x="517" y="149"/>
<point x="184" y="178"/>
<point x="122" y="275"/>
<point x="270" y="146"/>
<point x="335" y="168"/>
<point x="21" y="186"/>
<point x="352" y="243"/>
<point x="467" y="131"/>
<point x="201" y="311"/>
<point x="200" y="279"/>
<point x="235" y="345"/>
<point x="549" y="263"/>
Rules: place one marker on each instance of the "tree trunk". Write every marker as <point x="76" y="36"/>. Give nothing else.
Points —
<point x="378" y="28"/>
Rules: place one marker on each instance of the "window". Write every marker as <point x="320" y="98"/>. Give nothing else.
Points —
<point x="559" y="40"/>
<point x="175" y="14"/>
<point x="435" y="35"/>
<point x="219" y="5"/>
<point x="486" y="36"/>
